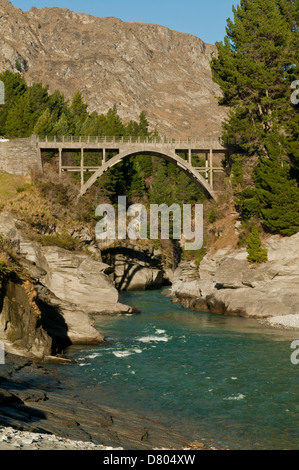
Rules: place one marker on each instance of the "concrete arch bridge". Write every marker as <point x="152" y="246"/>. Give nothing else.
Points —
<point x="123" y="147"/>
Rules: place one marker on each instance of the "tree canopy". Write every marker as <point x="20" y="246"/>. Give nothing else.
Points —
<point x="256" y="65"/>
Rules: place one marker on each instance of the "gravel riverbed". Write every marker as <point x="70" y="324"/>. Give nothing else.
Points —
<point x="11" y="439"/>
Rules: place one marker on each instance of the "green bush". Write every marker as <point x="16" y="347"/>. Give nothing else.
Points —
<point x="61" y="240"/>
<point x="201" y="253"/>
<point x="4" y="269"/>
<point x="256" y="254"/>
<point x="212" y="217"/>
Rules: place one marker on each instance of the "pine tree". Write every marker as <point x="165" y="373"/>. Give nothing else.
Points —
<point x="15" y="86"/>
<point x="45" y="124"/>
<point x="252" y="71"/>
<point x="78" y="108"/>
<point x="20" y="119"/>
<point x="57" y="105"/>
<point x="161" y="191"/>
<point x="256" y="254"/>
<point x="255" y="66"/>
<point x="62" y="126"/>
<point x="143" y="125"/>
<point x="39" y="98"/>
<point x="113" y="126"/>
<point x="277" y="192"/>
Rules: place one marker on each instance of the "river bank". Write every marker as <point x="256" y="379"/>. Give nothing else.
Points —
<point x="39" y="320"/>
<point x="226" y="284"/>
<point x="167" y="377"/>
<point x="37" y="404"/>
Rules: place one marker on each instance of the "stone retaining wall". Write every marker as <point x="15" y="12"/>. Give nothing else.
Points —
<point x="19" y="155"/>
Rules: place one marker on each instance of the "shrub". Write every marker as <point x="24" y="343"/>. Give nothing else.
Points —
<point x="4" y="269"/>
<point x="256" y="254"/>
<point x="212" y="217"/>
<point x="61" y="240"/>
<point x="201" y="253"/>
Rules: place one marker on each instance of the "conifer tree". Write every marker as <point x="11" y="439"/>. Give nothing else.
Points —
<point x="15" y="86"/>
<point x="78" y="108"/>
<point x="45" y="124"/>
<point x="252" y="70"/>
<point x="62" y="126"/>
<point x="113" y="126"/>
<point x="20" y="122"/>
<point x="256" y="254"/>
<point x="161" y="191"/>
<point x="143" y="125"/>
<point x="255" y="67"/>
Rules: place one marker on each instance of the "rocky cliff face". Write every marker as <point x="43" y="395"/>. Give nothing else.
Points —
<point x="227" y="284"/>
<point x="135" y="66"/>
<point x="52" y="307"/>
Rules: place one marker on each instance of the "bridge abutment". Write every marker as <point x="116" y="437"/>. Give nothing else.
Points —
<point x="18" y="156"/>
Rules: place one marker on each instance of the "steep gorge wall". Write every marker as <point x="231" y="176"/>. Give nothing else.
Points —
<point x="21" y="321"/>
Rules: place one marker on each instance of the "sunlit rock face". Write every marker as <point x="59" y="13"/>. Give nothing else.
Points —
<point x="133" y="65"/>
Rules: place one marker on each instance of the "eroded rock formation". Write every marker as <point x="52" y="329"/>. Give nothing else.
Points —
<point x="227" y="284"/>
<point x="53" y="306"/>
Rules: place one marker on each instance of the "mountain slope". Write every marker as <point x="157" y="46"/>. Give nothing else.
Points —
<point x="135" y="66"/>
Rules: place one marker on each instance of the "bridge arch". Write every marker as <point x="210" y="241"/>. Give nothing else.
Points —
<point x="167" y="154"/>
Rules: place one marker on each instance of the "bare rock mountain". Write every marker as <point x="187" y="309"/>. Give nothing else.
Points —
<point x="133" y="65"/>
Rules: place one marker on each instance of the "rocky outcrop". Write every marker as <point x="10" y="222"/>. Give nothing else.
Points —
<point x="227" y="284"/>
<point x="67" y="288"/>
<point x="21" y="320"/>
<point x="135" y="66"/>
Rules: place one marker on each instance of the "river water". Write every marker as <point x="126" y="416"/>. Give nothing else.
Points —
<point x="227" y="380"/>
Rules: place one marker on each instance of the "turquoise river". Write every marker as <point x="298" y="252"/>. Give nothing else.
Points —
<point x="227" y="380"/>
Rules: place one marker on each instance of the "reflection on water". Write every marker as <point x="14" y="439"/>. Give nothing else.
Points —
<point x="227" y="379"/>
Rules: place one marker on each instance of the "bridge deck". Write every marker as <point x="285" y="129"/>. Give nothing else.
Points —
<point x="114" y="143"/>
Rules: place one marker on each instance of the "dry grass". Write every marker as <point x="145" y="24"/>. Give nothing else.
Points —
<point x="46" y="204"/>
<point x="221" y="232"/>
<point x="10" y="185"/>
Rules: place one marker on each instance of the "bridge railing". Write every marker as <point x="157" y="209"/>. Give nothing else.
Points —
<point x="124" y="140"/>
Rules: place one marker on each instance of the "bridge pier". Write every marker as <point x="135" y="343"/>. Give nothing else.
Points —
<point x="60" y="160"/>
<point x="82" y="167"/>
<point x="211" y="169"/>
